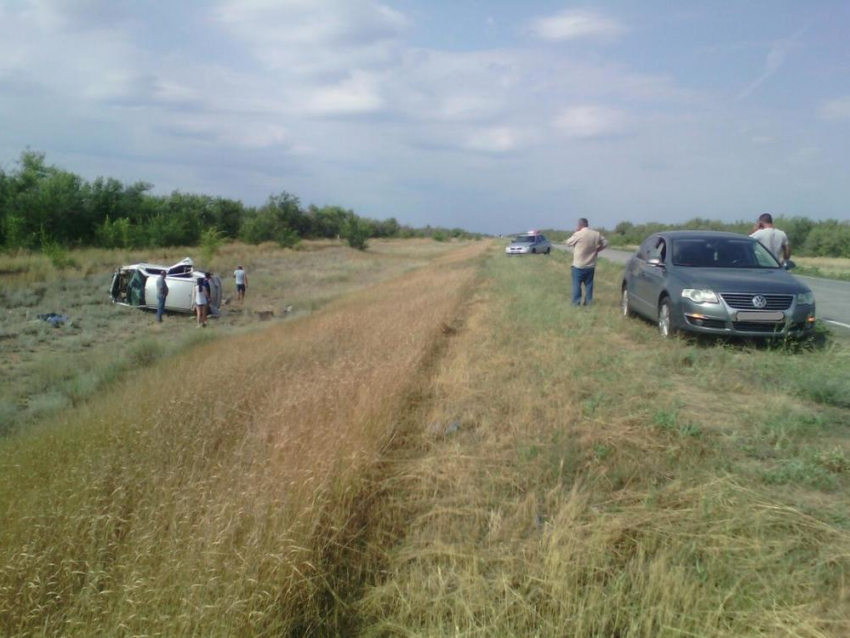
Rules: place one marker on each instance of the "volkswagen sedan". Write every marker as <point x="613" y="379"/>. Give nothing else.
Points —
<point x="715" y="283"/>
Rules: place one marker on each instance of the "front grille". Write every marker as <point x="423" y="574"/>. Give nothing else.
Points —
<point x="744" y="301"/>
<point x="759" y="326"/>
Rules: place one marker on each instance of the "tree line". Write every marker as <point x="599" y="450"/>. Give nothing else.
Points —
<point x="827" y="238"/>
<point x="43" y="206"/>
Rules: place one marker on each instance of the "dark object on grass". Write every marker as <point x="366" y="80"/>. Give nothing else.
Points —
<point x="53" y="318"/>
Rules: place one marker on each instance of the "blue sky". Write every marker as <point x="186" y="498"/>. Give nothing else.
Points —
<point x="494" y="116"/>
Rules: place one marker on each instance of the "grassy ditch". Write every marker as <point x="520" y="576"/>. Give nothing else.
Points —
<point x="574" y="475"/>
<point x="220" y="492"/>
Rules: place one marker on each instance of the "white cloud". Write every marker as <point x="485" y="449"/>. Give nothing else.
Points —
<point x="357" y="94"/>
<point x="573" y="24"/>
<point x="314" y="36"/>
<point x="590" y="121"/>
<point x="775" y="60"/>
<point x="497" y="139"/>
<point x="837" y="109"/>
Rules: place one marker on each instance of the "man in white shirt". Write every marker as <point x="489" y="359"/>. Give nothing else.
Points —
<point x="241" y="282"/>
<point x="586" y="244"/>
<point x="773" y="239"/>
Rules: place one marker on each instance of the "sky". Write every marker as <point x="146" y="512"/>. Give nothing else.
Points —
<point x="494" y="116"/>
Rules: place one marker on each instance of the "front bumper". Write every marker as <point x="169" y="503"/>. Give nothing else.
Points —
<point x="721" y="319"/>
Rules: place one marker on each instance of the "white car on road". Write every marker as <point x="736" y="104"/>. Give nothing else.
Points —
<point x="529" y="244"/>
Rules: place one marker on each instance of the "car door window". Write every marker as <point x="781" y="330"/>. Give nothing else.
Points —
<point x="658" y="250"/>
<point x="646" y="248"/>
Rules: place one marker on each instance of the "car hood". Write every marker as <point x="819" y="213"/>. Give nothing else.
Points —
<point x="765" y="280"/>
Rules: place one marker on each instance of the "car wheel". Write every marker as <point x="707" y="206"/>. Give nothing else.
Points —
<point x="665" y="326"/>
<point x="548" y="250"/>
<point x="625" y="305"/>
<point x="533" y="251"/>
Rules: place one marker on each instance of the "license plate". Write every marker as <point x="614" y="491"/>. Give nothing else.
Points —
<point x="761" y="316"/>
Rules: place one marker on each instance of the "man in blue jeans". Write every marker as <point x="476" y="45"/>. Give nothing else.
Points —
<point x="161" y="294"/>
<point x="586" y="244"/>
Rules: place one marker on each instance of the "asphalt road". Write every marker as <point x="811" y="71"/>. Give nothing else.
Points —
<point x="832" y="298"/>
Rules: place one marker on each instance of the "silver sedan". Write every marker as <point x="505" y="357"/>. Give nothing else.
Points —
<point x="529" y="243"/>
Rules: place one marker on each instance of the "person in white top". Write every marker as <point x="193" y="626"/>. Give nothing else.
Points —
<point x="773" y="239"/>
<point x="201" y="301"/>
<point x="241" y="282"/>
<point x="587" y="244"/>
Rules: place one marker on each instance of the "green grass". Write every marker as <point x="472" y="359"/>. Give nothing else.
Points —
<point x="618" y="484"/>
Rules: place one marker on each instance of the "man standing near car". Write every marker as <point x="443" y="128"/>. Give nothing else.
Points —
<point x="773" y="239"/>
<point x="161" y="294"/>
<point x="241" y="282"/>
<point x="586" y="244"/>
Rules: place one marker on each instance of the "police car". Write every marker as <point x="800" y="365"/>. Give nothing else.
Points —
<point x="529" y="243"/>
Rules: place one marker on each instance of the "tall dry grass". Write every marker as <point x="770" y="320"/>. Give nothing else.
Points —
<point x="223" y="492"/>
<point x="577" y="476"/>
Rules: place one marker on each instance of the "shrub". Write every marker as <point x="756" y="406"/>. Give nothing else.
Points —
<point x="58" y="256"/>
<point x="211" y="241"/>
<point x="356" y="233"/>
<point x="144" y="353"/>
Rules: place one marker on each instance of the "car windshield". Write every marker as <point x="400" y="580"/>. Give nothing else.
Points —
<point x="722" y="252"/>
<point x="524" y="239"/>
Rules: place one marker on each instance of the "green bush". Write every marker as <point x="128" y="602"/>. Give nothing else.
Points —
<point x="145" y="353"/>
<point x="211" y="241"/>
<point x="356" y="233"/>
<point x="58" y="256"/>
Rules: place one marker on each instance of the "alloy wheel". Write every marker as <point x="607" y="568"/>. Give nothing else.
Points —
<point x="664" y="319"/>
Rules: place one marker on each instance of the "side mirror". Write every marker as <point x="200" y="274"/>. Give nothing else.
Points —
<point x="788" y="265"/>
<point x="655" y="261"/>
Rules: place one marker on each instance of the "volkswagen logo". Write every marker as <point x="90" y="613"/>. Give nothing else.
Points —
<point x="759" y="301"/>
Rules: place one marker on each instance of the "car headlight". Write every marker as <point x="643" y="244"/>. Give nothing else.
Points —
<point x="806" y="298"/>
<point x="699" y="296"/>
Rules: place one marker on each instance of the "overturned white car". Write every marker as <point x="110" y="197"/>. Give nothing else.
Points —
<point x="136" y="286"/>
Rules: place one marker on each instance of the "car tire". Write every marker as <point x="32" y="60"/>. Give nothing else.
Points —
<point x="533" y="251"/>
<point x="548" y="250"/>
<point x="625" y="305"/>
<point x="665" y="323"/>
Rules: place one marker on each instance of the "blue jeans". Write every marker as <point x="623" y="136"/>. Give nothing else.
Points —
<point x="582" y="276"/>
<point x="160" y="308"/>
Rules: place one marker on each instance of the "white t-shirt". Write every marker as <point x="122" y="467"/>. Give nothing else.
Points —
<point x="240" y="277"/>
<point x="774" y="239"/>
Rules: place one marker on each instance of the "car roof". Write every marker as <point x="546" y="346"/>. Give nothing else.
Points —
<point x="701" y="234"/>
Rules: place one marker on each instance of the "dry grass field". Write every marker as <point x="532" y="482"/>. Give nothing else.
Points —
<point x="832" y="267"/>
<point x="443" y="447"/>
<point x="48" y="369"/>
